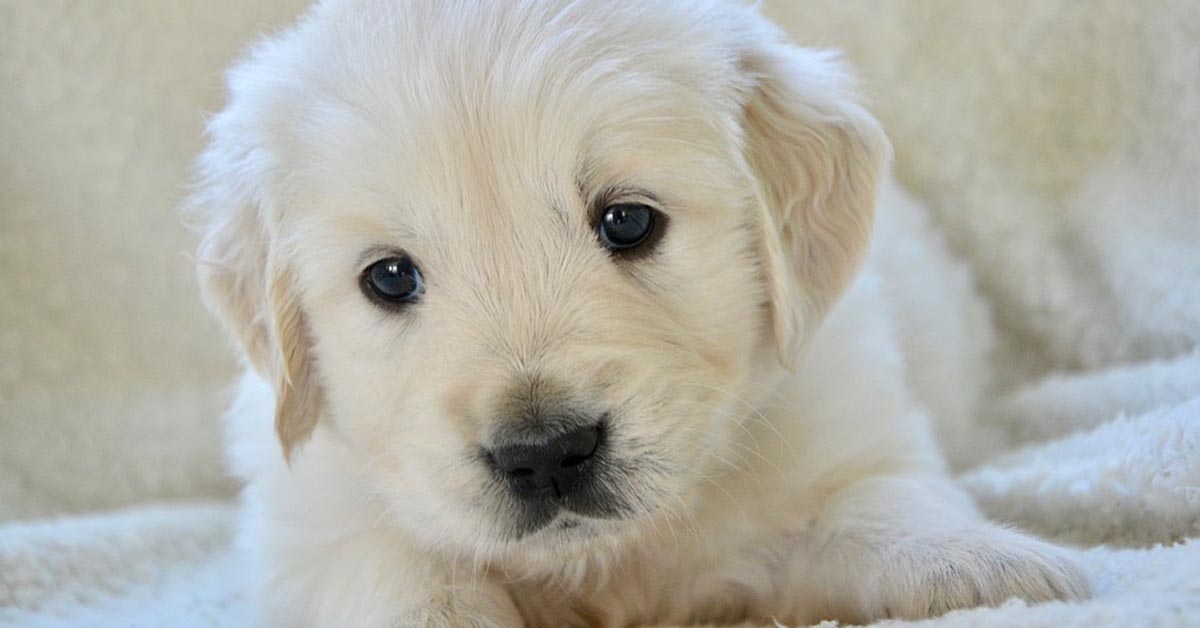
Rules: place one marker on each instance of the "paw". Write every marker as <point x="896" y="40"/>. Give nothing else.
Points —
<point x="440" y="618"/>
<point x="462" y="611"/>
<point x="929" y="576"/>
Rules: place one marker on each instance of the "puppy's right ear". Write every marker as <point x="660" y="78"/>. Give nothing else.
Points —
<point x="245" y="276"/>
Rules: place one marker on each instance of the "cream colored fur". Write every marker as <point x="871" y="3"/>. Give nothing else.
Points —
<point x="474" y="135"/>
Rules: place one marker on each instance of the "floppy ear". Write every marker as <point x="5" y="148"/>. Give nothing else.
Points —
<point x="817" y="156"/>
<point x="245" y="278"/>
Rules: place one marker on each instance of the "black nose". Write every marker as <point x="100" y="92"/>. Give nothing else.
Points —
<point x="555" y="467"/>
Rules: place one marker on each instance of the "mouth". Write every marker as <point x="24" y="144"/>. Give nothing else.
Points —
<point x="571" y="524"/>
<point x="567" y="527"/>
<point x="561" y="515"/>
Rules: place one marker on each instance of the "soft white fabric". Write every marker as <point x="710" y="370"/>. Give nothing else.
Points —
<point x="153" y="566"/>
<point x="111" y="372"/>
<point x="1054" y="141"/>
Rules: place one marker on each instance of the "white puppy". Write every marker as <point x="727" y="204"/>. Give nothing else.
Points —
<point x="531" y="290"/>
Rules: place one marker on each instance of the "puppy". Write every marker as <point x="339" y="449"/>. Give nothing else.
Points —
<point x="530" y="296"/>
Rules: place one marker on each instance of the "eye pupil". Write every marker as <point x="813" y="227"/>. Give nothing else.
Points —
<point x="625" y="226"/>
<point x="393" y="281"/>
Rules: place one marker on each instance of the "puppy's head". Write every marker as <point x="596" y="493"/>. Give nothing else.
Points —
<point x="529" y="261"/>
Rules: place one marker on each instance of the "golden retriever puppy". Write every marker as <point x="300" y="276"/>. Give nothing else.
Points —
<point x="531" y="295"/>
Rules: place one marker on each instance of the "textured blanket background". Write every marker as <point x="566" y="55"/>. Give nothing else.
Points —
<point x="1057" y="144"/>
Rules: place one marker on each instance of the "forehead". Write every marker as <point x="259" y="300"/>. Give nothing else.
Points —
<point x="507" y="104"/>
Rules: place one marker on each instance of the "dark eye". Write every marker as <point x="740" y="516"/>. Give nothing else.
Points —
<point x="626" y="226"/>
<point x="393" y="281"/>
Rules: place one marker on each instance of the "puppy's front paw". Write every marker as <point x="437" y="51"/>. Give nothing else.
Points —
<point x="443" y="618"/>
<point x="929" y="576"/>
<point x="462" y="611"/>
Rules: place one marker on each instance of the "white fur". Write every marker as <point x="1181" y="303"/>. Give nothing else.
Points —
<point x="463" y="132"/>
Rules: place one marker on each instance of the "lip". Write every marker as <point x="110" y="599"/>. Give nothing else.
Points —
<point x="563" y="523"/>
<point x="568" y="525"/>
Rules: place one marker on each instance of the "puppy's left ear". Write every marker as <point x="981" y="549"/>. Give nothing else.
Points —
<point x="817" y="156"/>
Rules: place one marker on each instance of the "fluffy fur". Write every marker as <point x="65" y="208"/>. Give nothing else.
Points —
<point x="475" y="136"/>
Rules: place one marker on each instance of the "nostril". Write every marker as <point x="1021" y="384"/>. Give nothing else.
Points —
<point x="574" y="461"/>
<point x="581" y="446"/>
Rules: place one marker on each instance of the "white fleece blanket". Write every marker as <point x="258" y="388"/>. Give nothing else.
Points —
<point x="1055" y="143"/>
<point x="1111" y="457"/>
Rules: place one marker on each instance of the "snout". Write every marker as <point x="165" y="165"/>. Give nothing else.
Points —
<point x="555" y="466"/>
<point x="547" y="466"/>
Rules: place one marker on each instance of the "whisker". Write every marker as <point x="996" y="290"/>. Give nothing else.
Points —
<point x="757" y="415"/>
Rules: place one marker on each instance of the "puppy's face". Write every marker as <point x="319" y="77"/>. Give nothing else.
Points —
<point x="526" y="261"/>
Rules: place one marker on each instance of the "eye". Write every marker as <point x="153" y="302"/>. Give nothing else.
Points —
<point x="626" y="226"/>
<point x="393" y="281"/>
